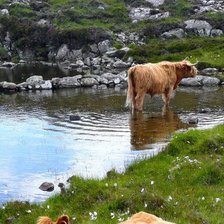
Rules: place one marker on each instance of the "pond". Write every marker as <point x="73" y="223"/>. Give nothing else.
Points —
<point x="40" y="143"/>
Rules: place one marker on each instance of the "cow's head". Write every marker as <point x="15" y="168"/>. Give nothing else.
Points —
<point x="186" y="69"/>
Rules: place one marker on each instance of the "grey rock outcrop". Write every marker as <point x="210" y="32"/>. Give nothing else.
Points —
<point x="88" y="82"/>
<point x="200" y="81"/>
<point x="210" y="81"/>
<point x="156" y="3"/>
<point x="4" y="12"/>
<point x="198" y="27"/>
<point x="210" y="6"/>
<point x="67" y="82"/>
<point x="175" y="33"/>
<point x="209" y="71"/>
<point x="141" y="13"/>
<point x="216" y="33"/>
<point x="8" y="86"/>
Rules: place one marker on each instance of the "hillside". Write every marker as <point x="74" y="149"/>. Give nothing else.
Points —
<point x="152" y="30"/>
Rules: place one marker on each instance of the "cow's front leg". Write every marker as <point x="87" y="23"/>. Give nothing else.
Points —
<point x="139" y="101"/>
<point x="166" y="97"/>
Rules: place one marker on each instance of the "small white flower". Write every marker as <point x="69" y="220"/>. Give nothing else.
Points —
<point x="112" y="215"/>
<point x="145" y="205"/>
<point x="202" y="198"/>
<point x="170" y="198"/>
<point x="217" y="200"/>
<point x="120" y="219"/>
<point x="28" y="211"/>
<point x="74" y="218"/>
<point x="127" y="212"/>
<point x="142" y="190"/>
<point x="152" y="182"/>
<point x="106" y="184"/>
<point x="115" y="184"/>
<point x="93" y="216"/>
<point x="3" y="207"/>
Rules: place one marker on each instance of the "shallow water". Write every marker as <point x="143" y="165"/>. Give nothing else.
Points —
<point x="39" y="142"/>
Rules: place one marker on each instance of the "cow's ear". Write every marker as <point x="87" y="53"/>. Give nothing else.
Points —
<point x="64" y="219"/>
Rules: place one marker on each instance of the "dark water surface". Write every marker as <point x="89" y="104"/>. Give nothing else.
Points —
<point x="21" y="72"/>
<point x="39" y="142"/>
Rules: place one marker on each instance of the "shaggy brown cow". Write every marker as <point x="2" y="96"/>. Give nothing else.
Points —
<point x="64" y="219"/>
<point x="156" y="78"/>
<point x="145" y="218"/>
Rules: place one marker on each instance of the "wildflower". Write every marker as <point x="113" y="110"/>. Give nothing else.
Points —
<point x="112" y="215"/>
<point x="28" y="211"/>
<point x="170" y="198"/>
<point x="74" y="218"/>
<point x="127" y="212"/>
<point x="142" y="190"/>
<point x="202" y="198"/>
<point x="217" y="200"/>
<point x="3" y="207"/>
<point x="106" y="184"/>
<point x="93" y="216"/>
<point x="48" y="206"/>
<point x="152" y="182"/>
<point x="120" y="219"/>
<point x="115" y="184"/>
<point x="145" y="205"/>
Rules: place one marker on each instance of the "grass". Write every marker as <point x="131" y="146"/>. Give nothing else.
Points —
<point x="208" y="51"/>
<point x="183" y="184"/>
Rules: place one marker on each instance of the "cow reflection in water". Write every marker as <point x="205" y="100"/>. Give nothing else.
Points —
<point x="149" y="128"/>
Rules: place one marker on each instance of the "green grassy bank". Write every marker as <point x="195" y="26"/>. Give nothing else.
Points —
<point x="183" y="184"/>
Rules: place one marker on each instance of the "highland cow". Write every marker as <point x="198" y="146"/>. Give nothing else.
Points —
<point x="156" y="78"/>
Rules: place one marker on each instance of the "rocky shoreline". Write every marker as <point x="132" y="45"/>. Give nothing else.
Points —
<point x="116" y="78"/>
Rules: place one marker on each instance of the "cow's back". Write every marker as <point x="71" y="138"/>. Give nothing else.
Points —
<point x="152" y="78"/>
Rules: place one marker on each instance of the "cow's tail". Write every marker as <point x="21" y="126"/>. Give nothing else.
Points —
<point x="131" y="89"/>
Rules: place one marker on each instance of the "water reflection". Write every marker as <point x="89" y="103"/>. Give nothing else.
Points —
<point x="21" y="72"/>
<point x="149" y="128"/>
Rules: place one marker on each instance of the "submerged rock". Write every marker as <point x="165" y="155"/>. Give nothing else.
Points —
<point x="193" y="120"/>
<point x="47" y="186"/>
<point x="74" y="117"/>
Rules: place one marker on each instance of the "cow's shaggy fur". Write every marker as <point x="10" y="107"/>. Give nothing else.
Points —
<point x="145" y="218"/>
<point x="156" y="78"/>
<point x="64" y="219"/>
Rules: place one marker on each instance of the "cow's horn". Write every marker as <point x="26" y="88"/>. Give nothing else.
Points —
<point x="195" y="63"/>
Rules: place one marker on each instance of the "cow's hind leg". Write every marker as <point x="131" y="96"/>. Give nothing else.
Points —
<point x="139" y="101"/>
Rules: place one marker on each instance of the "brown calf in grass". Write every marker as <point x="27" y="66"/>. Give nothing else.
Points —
<point x="64" y="219"/>
<point x="156" y="78"/>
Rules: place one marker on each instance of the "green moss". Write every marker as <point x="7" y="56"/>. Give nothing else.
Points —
<point x="21" y="11"/>
<point x="178" y="8"/>
<point x="3" y="53"/>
